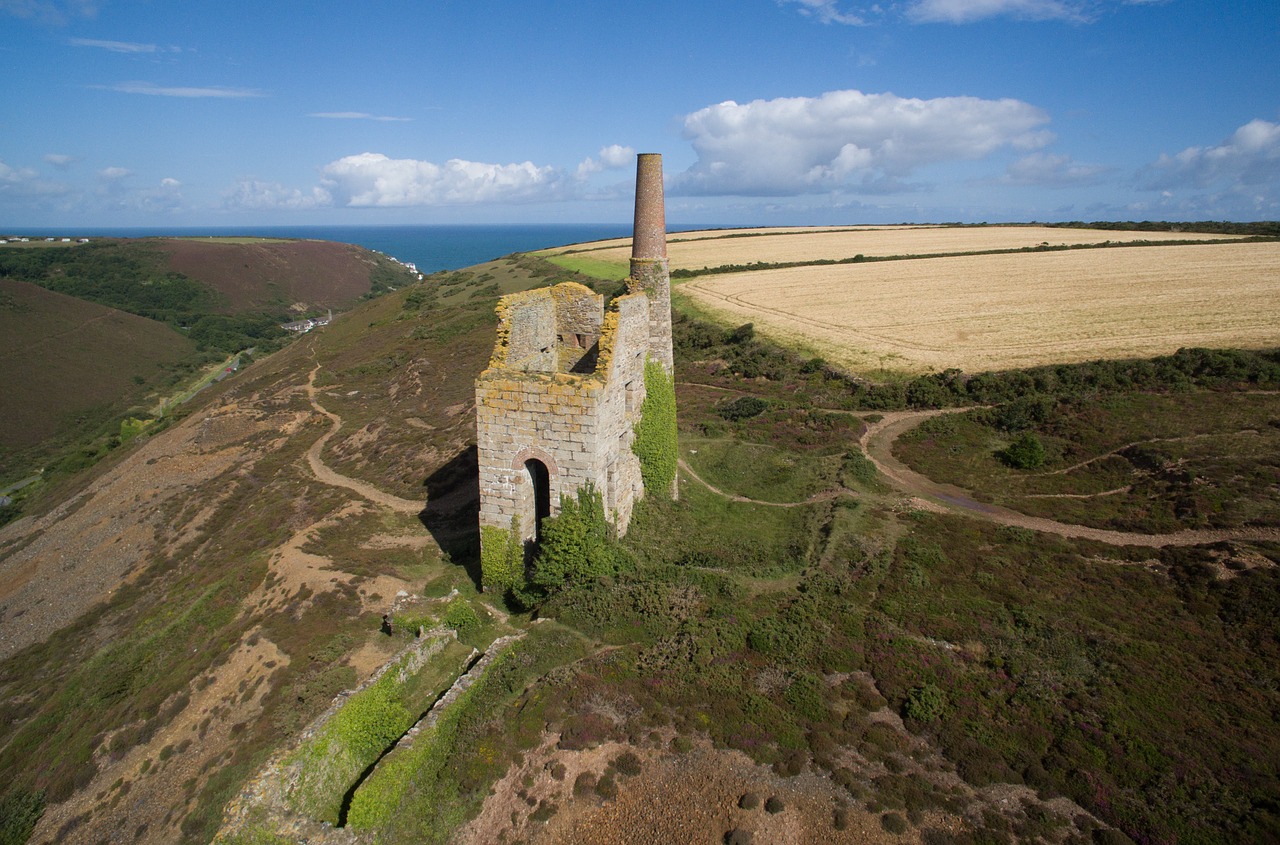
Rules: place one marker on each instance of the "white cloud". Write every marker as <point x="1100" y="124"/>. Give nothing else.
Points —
<point x="356" y="115"/>
<point x="113" y="174"/>
<point x="154" y="90"/>
<point x="826" y="11"/>
<point x="967" y="11"/>
<point x="1054" y="171"/>
<point x="963" y="11"/>
<point x="845" y="139"/>
<point x="47" y="11"/>
<point x="58" y="160"/>
<point x="255" y="195"/>
<point x="374" y="180"/>
<point x="25" y="182"/>
<point x="1250" y="157"/>
<point x="612" y="157"/>
<point x="165" y="197"/>
<point x="121" y="46"/>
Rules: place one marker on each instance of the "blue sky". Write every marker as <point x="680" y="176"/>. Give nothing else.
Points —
<point x="154" y="113"/>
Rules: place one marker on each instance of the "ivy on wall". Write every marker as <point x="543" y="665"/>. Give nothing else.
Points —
<point x="655" y="443"/>
<point x="501" y="557"/>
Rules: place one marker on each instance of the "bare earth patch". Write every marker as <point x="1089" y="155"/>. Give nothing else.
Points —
<point x="146" y="791"/>
<point x="676" y="798"/>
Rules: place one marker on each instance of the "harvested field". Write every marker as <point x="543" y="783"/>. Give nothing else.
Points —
<point x="695" y="250"/>
<point x="998" y="311"/>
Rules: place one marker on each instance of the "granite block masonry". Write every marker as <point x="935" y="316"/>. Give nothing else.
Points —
<point x="557" y="407"/>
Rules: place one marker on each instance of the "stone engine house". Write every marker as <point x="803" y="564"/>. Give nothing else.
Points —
<point x="557" y="406"/>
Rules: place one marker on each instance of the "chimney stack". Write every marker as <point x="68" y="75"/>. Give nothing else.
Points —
<point x="649" y="272"/>
<point x="649" y="238"/>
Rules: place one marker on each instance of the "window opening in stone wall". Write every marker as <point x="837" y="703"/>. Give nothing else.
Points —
<point x="541" y="481"/>
<point x="631" y="397"/>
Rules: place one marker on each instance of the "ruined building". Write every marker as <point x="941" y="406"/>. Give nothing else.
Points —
<point x="559" y="405"/>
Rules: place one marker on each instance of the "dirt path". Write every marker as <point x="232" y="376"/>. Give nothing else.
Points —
<point x="334" y="479"/>
<point x="878" y="439"/>
<point x="816" y="497"/>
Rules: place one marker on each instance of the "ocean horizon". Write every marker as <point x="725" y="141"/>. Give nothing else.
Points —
<point x="429" y="247"/>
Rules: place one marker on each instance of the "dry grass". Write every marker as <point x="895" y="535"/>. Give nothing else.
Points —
<point x="695" y="250"/>
<point x="990" y="312"/>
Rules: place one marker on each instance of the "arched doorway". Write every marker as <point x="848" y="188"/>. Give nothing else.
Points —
<point x="539" y="505"/>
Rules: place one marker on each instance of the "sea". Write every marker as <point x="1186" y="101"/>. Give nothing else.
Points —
<point x="429" y="248"/>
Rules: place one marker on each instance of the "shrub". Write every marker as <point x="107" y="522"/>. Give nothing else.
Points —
<point x="627" y="763"/>
<point x="501" y="557"/>
<point x="19" y="812"/>
<point x="925" y="703"/>
<point x="576" y="546"/>
<point x="584" y="784"/>
<point x="607" y="787"/>
<point x="743" y="408"/>
<point x="461" y="617"/>
<point x="893" y="823"/>
<point x="857" y="467"/>
<point x="1027" y="452"/>
<point x="774" y="805"/>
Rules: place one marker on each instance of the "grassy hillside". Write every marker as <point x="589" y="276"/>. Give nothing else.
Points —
<point x="120" y="321"/>
<point x="806" y="651"/>
<point x="69" y="365"/>
<point x="280" y="275"/>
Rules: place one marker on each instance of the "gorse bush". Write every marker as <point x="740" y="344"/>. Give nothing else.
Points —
<point x="460" y="616"/>
<point x="1027" y="452"/>
<point x="743" y="408"/>
<point x="576" y="545"/>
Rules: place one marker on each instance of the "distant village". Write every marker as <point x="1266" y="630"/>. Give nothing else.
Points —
<point x="304" y="326"/>
<point x="17" y="239"/>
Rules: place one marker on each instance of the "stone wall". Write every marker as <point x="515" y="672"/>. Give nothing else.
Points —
<point x="578" y="425"/>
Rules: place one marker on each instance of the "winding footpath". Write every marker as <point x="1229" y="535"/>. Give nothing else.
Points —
<point x="334" y="479"/>
<point x="878" y="439"/>
<point x="816" y="497"/>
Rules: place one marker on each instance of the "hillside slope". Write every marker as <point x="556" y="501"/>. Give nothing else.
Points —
<point x="260" y="275"/>
<point x="64" y="357"/>
<point x="176" y="305"/>
<point x="202" y="594"/>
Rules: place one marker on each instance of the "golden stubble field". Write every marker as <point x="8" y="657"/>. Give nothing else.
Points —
<point x="998" y="311"/>
<point x="696" y="250"/>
